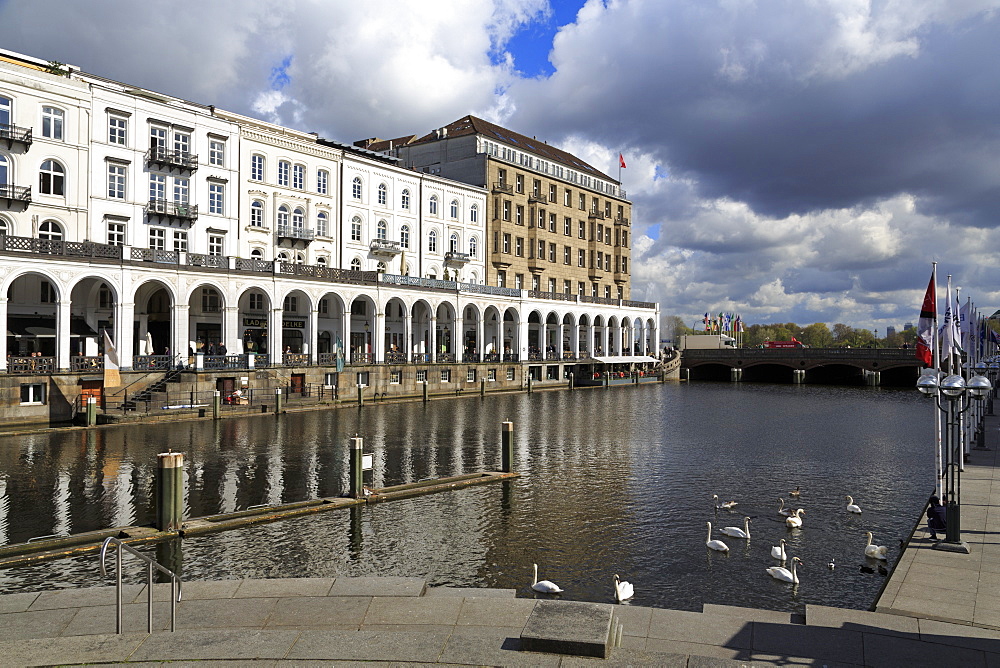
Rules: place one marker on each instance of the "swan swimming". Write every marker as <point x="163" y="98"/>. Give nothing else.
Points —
<point x="875" y="551"/>
<point x="623" y="590"/>
<point x="795" y="521"/>
<point x="544" y="586"/>
<point x="723" y="505"/>
<point x="782" y="510"/>
<point x="717" y="545"/>
<point x="851" y="508"/>
<point x="783" y="574"/>
<point x="778" y="551"/>
<point x="737" y="532"/>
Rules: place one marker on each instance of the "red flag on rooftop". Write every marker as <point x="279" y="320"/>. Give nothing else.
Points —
<point x="925" y="326"/>
<point x="621" y="161"/>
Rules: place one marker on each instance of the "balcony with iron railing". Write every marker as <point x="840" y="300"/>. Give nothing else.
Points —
<point x="15" y="194"/>
<point x="456" y="257"/>
<point x="501" y="187"/>
<point x="620" y="220"/>
<point x="596" y="215"/>
<point x="161" y="155"/>
<point x="11" y="134"/>
<point x="537" y="198"/>
<point x="385" y="247"/>
<point x="293" y="232"/>
<point x="179" y="212"/>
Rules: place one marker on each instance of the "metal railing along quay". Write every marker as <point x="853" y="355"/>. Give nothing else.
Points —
<point x="175" y="583"/>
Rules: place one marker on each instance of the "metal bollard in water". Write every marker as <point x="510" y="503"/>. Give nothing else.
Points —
<point x="507" y="447"/>
<point x="169" y="491"/>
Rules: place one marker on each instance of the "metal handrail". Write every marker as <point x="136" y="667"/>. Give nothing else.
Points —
<point x="175" y="583"/>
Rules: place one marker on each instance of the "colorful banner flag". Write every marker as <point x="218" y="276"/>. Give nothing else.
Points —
<point x="925" y="325"/>
<point x="621" y="161"/>
<point x="112" y="376"/>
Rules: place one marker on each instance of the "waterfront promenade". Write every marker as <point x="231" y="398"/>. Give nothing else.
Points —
<point x="937" y="609"/>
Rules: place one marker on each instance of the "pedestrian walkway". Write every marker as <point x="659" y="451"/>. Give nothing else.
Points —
<point x="949" y="586"/>
<point x="400" y="620"/>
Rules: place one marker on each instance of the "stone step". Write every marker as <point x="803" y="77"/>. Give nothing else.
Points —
<point x="752" y="614"/>
<point x="569" y="627"/>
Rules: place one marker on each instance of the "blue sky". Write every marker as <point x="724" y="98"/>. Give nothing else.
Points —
<point x="530" y="46"/>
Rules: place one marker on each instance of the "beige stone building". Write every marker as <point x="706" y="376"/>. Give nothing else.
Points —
<point x="555" y="225"/>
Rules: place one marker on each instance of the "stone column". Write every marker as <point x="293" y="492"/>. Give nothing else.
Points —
<point x="379" y="348"/>
<point x="182" y="331"/>
<point x="62" y="333"/>
<point x="124" y="317"/>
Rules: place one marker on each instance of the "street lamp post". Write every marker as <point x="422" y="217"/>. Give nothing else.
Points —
<point x="959" y="397"/>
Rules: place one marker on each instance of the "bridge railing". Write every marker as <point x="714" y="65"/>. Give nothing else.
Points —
<point x="801" y="353"/>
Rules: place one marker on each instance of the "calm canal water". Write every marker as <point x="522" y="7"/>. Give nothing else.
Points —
<point x="613" y="481"/>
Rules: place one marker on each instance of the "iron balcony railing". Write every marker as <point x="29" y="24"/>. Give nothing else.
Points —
<point x="11" y="133"/>
<point x="385" y="247"/>
<point x="293" y="232"/>
<point x="457" y="257"/>
<point x="161" y="155"/>
<point x="181" y="211"/>
<point x="13" y="193"/>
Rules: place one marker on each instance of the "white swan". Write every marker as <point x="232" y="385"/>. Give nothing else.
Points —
<point x="795" y="521"/>
<point x="851" y="508"/>
<point x="715" y="544"/>
<point x="723" y="505"/>
<point x="876" y="551"/>
<point x="778" y="551"/>
<point x="832" y="564"/>
<point x="623" y="590"/>
<point x="544" y="586"/>
<point x="783" y="574"/>
<point x="782" y="510"/>
<point x="737" y="532"/>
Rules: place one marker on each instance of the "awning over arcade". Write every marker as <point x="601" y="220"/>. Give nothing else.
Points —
<point x="624" y="359"/>
<point x="34" y="327"/>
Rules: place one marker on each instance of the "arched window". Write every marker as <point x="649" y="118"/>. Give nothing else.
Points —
<point x="51" y="178"/>
<point x="432" y="241"/>
<point x="257" y="254"/>
<point x="404" y="236"/>
<point x="298" y="219"/>
<point x="453" y="212"/>
<point x="4" y="171"/>
<point x="256" y="213"/>
<point x="356" y="229"/>
<point x="51" y="230"/>
<point x="299" y="176"/>
<point x="356" y="187"/>
<point x="355" y="264"/>
<point x="453" y="243"/>
<point x="383" y="194"/>
<point x="322" y="224"/>
<point x="321" y="261"/>
<point x="433" y="205"/>
<point x="474" y="213"/>
<point x="404" y="200"/>
<point x="283" y="256"/>
<point x="380" y="268"/>
<point x="282" y="216"/>
<point x="300" y="258"/>
<point x="383" y="230"/>
<point x="472" y="247"/>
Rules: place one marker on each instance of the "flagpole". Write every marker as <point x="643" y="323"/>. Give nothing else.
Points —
<point x="936" y="357"/>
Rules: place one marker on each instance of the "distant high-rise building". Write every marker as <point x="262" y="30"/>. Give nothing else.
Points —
<point x="890" y="330"/>
<point x="907" y="326"/>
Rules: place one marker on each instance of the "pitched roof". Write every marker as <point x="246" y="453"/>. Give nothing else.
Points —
<point x="471" y="125"/>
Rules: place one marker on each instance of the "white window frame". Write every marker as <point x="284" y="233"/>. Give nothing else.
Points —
<point x="284" y="169"/>
<point x="117" y="130"/>
<point x="117" y="180"/>
<point x="116" y="234"/>
<point x="257" y="165"/>
<point x="217" y="198"/>
<point x="217" y="152"/>
<point x="256" y="213"/>
<point x="322" y="181"/>
<point x="53" y="120"/>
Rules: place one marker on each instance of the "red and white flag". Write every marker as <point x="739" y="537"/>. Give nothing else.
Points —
<point x="621" y="161"/>
<point x="925" y="326"/>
